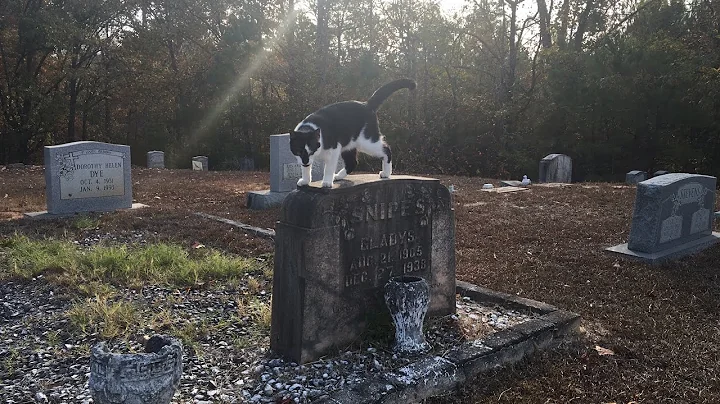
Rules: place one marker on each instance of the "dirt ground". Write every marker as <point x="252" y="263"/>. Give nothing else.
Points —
<point x="651" y="334"/>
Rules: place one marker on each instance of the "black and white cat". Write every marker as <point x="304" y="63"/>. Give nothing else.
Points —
<point x="341" y="130"/>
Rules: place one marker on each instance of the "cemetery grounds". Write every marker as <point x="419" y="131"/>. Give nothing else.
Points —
<point x="649" y="334"/>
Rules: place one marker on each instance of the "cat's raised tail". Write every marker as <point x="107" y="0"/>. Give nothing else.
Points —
<point x="382" y="93"/>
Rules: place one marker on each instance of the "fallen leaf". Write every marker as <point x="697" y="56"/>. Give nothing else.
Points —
<point x="603" y="351"/>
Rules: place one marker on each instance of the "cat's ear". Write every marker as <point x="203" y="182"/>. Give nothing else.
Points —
<point x="317" y="134"/>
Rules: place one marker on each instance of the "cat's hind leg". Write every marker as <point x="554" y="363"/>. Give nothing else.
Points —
<point x="350" y="159"/>
<point x="331" y="160"/>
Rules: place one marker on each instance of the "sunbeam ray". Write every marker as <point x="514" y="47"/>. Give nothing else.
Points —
<point x="204" y="127"/>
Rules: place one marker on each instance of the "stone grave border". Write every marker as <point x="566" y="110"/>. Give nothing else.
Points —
<point x="436" y="375"/>
<point x="258" y="231"/>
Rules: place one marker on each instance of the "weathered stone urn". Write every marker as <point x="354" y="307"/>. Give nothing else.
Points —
<point x="408" y="298"/>
<point x="144" y="378"/>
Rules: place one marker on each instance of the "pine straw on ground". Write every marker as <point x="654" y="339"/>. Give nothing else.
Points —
<point x="661" y="324"/>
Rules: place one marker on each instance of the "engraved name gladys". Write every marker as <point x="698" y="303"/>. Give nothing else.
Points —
<point x="386" y="239"/>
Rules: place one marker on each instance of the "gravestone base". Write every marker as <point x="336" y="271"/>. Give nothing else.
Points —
<point x="261" y="200"/>
<point x="45" y="215"/>
<point x="673" y="253"/>
<point x="441" y="373"/>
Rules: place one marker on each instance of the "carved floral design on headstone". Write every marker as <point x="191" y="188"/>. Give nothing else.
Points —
<point x="65" y="166"/>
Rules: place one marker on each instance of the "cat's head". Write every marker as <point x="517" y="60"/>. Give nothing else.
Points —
<point x="304" y="144"/>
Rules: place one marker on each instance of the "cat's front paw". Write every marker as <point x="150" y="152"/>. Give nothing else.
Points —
<point x="384" y="174"/>
<point x="327" y="184"/>
<point x="301" y="182"/>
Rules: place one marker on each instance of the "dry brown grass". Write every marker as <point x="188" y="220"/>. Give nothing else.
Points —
<point x="662" y="323"/>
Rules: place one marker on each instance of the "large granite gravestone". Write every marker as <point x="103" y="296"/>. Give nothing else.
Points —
<point x="555" y="168"/>
<point x="336" y="248"/>
<point x="87" y="177"/>
<point x="635" y="176"/>
<point x="285" y="171"/>
<point x="155" y="159"/>
<point x="200" y="163"/>
<point x="673" y="217"/>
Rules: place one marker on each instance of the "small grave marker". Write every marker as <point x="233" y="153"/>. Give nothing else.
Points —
<point x="200" y="163"/>
<point x="673" y="218"/>
<point x="86" y="177"/>
<point x="155" y="159"/>
<point x="556" y="168"/>
<point x="336" y="248"/>
<point x="635" y="176"/>
<point x="247" y="164"/>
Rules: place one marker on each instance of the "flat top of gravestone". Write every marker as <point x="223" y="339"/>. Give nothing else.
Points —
<point x="634" y="172"/>
<point x="81" y="143"/>
<point x="667" y="179"/>
<point x="360" y="179"/>
<point x="280" y="134"/>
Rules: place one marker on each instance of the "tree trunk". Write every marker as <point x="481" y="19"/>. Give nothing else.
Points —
<point x="322" y="44"/>
<point x="545" y="37"/>
<point x="564" y="17"/>
<point x="582" y="25"/>
<point x="72" y="109"/>
<point x="512" y="55"/>
<point x="83" y="132"/>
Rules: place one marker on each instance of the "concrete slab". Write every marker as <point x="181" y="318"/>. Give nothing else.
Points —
<point x="44" y="215"/>
<point x="261" y="200"/>
<point x="673" y="253"/>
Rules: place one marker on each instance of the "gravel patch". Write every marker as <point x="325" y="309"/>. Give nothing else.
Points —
<point x="43" y="360"/>
<point x="93" y="238"/>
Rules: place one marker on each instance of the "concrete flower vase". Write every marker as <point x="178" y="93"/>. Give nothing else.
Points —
<point x="145" y="378"/>
<point x="408" y="298"/>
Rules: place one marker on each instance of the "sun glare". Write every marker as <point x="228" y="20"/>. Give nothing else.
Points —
<point x="204" y="128"/>
<point x="451" y="6"/>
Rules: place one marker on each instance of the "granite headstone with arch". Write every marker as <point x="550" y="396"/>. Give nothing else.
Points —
<point x="673" y="217"/>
